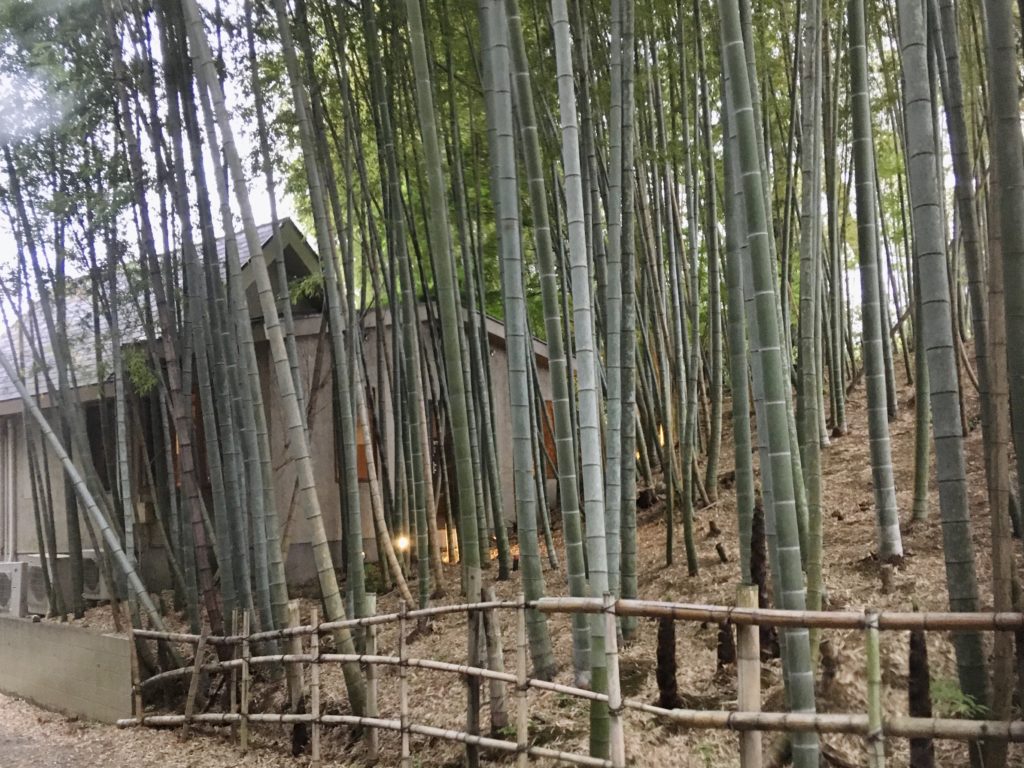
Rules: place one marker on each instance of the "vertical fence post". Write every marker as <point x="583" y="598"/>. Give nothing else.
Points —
<point x="474" y="624"/>
<point x="618" y="741"/>
<point x="495" y="662"/>
<point x="193" y="686"/>
<point x="748" y="672"/>
<point x="372" y="710"/>
<point x="875" y="739"/>
<point x="314" y="686"/>
<point x="243" y="727"/>
<point x="522" y="688"/>
<point x="133" y="653"/>
<point x="293" y="646"/>
<point x="403" y="687"/>
<point x="233" y="674"/>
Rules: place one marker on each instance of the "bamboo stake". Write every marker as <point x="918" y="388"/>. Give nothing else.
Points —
<point x="314" y="688"/>
<point x="495" y="662"/>
<point x="293" y="671"/>
<point x="403" y="687"/>
<point x="474" y="625"/>
<point x="136" y="681"/>
<point x="372" y="736"/>
<point x="617" y="747"/>
<point x="193" y="686"/>
<point x="875" y="738"/>
<point x="748" y="671"/>
<point x="522" y="688"/>
<point x="243" y="730"/>
<point x="233" y="684"/>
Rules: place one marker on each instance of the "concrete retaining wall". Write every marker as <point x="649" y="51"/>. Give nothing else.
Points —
<point x="67" y="669"/>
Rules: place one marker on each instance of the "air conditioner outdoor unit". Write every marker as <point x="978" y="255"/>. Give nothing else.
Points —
<point x="37" y="601"/>
<point x="94" y="586"/>
<point x="12" y="589"/>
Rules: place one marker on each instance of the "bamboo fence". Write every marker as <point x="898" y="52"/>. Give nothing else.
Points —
<point x="236" y="662"/>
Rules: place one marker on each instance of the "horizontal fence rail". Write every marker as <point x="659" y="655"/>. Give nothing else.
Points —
<point x="235" y="657"/>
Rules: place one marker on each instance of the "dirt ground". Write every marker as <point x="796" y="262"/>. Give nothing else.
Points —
<point x="852" y="580"/>
<point x="34" y="738"/>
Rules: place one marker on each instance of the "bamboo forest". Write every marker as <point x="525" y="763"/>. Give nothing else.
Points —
<point x="478" y="382"/>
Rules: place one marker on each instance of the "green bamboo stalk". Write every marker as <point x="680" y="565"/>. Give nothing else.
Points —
<point x="583" y="329"/>
<point x="773" y="421"/>
<point x="890" y="546"/>
<point x="504" y="184"/>
<point x="298" y="442"/>
<point x="936" y="335"/>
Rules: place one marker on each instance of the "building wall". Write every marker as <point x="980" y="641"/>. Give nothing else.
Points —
<point x="291" y="512"/>
<point x="500" y="401"/>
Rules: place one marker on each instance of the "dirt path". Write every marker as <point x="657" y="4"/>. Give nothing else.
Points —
<point x="34" y="738"/>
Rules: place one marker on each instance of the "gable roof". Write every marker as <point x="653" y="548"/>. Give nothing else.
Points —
<point x="82" y="324"/>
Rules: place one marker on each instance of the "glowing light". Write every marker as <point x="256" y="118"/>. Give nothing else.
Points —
<point x="402" y="543"/>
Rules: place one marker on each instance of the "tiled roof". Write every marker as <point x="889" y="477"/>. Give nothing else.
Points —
<point x="81" y="331"/>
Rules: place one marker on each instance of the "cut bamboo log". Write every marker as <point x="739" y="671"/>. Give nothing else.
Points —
<point x="748" y="672"/>
<point x="895" y="620"/>
<point x="372" y="734"/>
<point x="617" y="747"/>
<point x="936" y="621"/>
<point x="314" y="688"/>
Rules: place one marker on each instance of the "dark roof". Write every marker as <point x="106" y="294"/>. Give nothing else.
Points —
<point x="80" y="328"/>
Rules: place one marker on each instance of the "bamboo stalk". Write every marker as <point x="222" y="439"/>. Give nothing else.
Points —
<point x="617" y="746"/>
<point x="874" y="739"/>
<point x="372" y="736"/>
<point x="243" y="730"/>
<point x="748" y="672"/>
<point x="522" y="688"/>
<point x="193" y="687"/>
<point x="403" y="687"/>
<point x="314" y="688"/>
